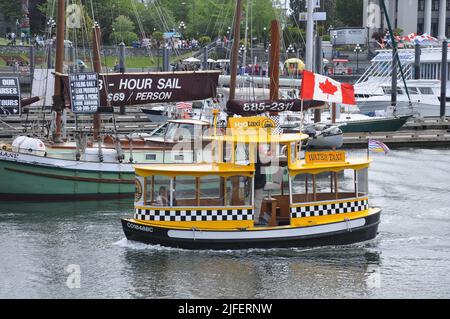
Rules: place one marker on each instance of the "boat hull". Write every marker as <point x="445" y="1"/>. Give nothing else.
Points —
<point x="374" y="125"/>
<point x="340" y="233"/>
<point x="25" y="177"/>
<point x="29" y="177"/>
<point x="328" y="141"/>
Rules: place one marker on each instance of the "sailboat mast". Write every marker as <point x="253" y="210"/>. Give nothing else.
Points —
<point x="310" y="35"/>
<point x="97" y="65"/>
<point x="274" y="60"/>
<point x="58" y="104"/>
<point x="244" y="58"/>
<point x="235" y="49"/>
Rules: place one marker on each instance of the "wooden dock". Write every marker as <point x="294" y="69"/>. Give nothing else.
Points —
<point x="429" y="132"/>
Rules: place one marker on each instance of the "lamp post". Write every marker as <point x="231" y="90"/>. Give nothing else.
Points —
<point x="265" y="37"/>
<point x="182" y="27"/>
<point x="242" y="50"/>
<point x="290" y="49"/>
<point x="357" y="50"/>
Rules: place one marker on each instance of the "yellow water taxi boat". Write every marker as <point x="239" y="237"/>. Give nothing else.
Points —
<point x="322" y="199"/>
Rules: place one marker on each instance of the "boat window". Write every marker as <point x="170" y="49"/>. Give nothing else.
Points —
<point x="172" y="131"/>
<point x="327" y="186"/>
<point x="157" y="191"/>
<point x="426" y="90"/>
<point x="211" y="191"/>
<point x="388" y="90"/>
<point x="363" y="182"/>
<point x="413" y="90"/>
<point x="238" y="191"/>
<point x="160" y="130"/>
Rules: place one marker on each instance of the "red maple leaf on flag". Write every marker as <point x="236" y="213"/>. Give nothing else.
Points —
<point x="327" y="87"/>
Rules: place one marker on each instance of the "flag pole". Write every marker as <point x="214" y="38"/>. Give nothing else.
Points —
<point x="368" y="155"/>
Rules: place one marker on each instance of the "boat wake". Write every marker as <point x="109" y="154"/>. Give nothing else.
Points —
<point x="125" y="243"/>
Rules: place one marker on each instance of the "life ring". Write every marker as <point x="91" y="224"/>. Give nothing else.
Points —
<point x="6" y="147"/>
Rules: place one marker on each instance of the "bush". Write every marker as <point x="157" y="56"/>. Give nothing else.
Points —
<point x="204" y="40"/>
<point x="127" y="37"/>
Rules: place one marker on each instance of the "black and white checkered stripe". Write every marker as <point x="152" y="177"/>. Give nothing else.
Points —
<point x="329" y="209"/>
<point x="277" y="129"/>
<point x="193" y="215"/>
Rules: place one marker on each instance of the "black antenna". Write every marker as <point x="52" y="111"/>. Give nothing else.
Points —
<point x="394" y="46"/>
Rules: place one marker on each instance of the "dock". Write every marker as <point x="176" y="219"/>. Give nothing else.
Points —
<point x="417" y="132"/>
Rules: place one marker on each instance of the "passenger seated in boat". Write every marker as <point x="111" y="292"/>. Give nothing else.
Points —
<point x="162" y="198"/>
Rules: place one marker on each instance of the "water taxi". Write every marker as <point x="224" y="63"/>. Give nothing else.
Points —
<point x="323" y="201"/>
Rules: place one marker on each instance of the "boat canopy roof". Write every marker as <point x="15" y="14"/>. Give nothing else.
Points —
<point x="302" y="167"/>
<point x="189" y="121"/>
<point x="197" y="170"/>
<point x="257" y="136"/>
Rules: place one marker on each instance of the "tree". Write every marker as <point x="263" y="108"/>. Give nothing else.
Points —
<point x="11" y="10"/>
<point x="123" y="30"/>
<point x="349" y="13"/>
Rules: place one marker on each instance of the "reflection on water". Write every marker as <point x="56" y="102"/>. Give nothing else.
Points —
<point x="287" y="273"/>
<point x="408" y="259"/>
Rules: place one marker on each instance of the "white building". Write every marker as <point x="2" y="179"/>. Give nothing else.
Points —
<point x="419" y="16"/>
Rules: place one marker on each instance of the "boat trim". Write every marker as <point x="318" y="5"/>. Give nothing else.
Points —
<point x="73" y="178"/>
<point x="271" y="233"/>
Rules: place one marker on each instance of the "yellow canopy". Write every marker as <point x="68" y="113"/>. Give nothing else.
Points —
<point x="196" y="170"/>
<point x="301" y="64"/>
<point x="315" y="168"/>
<point x="257" y="136"/>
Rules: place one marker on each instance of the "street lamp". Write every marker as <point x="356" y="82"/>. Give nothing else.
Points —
<point x="242" y="49"/>
<point x="290" y="49"/>
<point x="357" y="50"/>
<point x="182" y="27"/>
<point x="51" y="23"/>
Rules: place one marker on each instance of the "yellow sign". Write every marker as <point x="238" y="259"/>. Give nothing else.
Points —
<point x="251" y="122"/>
<point x="324" y="157"/>
<point x="138" y="190"/>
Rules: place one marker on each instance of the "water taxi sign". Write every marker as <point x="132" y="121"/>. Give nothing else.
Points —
<point x="325" y="157"/>
<point x="251" y="122"/>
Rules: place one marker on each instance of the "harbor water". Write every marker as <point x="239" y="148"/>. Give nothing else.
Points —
<point x="43" y="245"/>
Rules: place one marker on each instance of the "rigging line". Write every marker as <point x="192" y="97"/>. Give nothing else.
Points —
<point x="141" y="29"/>
<point x="221" y="22"/>
<point x="394" y="45"/>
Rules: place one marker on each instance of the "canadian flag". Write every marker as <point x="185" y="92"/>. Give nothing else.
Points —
<point x="321" y="88"/>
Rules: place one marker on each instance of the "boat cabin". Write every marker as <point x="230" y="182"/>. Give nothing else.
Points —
<point x="314" y="189"/>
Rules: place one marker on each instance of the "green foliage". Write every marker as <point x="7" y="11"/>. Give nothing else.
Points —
<point x="123" y="29"/>
<point x="11" y="10"/>
<point x="204" y="40"/>
<point x="398" y="31"/>
<point x="158" y="36"/>
<point x="294" y="36"/>
<point x="349" y="13"/>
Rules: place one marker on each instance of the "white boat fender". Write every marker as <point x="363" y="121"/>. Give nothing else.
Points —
<point x="347" y="222"/>
<point x="194" y="229"/>
<point x="29" y="145"/>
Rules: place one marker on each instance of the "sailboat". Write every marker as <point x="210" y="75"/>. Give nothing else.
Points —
<point x="36" y="169"/>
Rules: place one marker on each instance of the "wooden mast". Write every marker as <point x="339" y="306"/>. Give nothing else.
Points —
<point x="235" y="49"/>
<point x="274" y="60"/>
<point x="97" y="65"/>
<point x="58" y="102"/>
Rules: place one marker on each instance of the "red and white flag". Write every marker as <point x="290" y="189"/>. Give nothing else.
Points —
<point x="321" y="88"/>
<point x="185" y="106"/>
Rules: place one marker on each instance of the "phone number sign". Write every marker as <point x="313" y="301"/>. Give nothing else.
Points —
<point x="84" y="92"/>
<point x="10" y="97"/>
